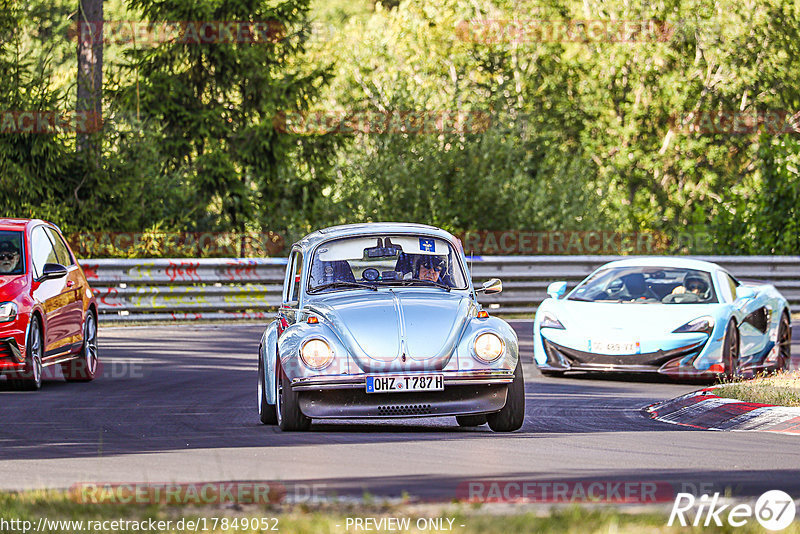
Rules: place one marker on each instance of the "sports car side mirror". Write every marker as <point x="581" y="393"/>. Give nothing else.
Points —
<point x="53" y="270"/>
<point x="744" y="292"/>
<point x="557" y="289"/>
<point x="495" y="285"/>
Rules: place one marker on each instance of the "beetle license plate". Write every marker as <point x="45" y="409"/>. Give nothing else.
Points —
<point x="401" y="383"/>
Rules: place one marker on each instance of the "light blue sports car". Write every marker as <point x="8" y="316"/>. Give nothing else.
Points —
<point x="676" y="316"/>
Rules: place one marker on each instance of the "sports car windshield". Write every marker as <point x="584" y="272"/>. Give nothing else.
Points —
<point x="391" y="260"/>
<point x="647" y="285"/>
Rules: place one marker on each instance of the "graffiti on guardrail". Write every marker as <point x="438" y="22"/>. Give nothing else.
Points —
<point x="183" y="270"/>
<point x="175" y="244"/>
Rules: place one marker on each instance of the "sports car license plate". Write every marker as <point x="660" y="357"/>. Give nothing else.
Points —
<point x="614" y="347"/>
<point x="400" y="383"/>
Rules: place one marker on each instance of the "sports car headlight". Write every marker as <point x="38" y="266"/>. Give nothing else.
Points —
<point x="488" y="347"/>
<point x="8" y="311"/>
<point x="703" y="324"/>
<point x="550" y="321"/>
<point x="316" y="354"/>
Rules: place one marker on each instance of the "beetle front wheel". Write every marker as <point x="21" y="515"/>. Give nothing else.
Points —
<point x="512" y="415"/>
<point x="287" y="403"/>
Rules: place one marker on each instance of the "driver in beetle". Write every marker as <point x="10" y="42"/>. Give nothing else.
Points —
<point x="432" y="268"/>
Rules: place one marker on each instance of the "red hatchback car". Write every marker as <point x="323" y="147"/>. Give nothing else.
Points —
<point x="48" y="314"/>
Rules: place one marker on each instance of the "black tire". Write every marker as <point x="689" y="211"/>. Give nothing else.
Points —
<point x="266" y="412"/>
<point x="553" y="374"/>
<point x="287" y="404"/>
<point x="84" y="368"/>
<point x="784" y="343"/>
<point x="30" y="379"/>
<point x="512" y="415"/>
<point x="730" y="351"/>
<point x="471" y="420"/>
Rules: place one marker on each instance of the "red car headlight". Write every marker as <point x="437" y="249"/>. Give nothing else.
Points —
<point x="8" y="312"/>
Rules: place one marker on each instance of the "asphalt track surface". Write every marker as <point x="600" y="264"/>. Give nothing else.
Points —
<point x="178" y="404"/>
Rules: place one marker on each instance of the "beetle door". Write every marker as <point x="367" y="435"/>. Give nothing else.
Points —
<point x="291" y="288"/>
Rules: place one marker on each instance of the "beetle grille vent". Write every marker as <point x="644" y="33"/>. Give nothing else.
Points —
<point x="405" y="409"/>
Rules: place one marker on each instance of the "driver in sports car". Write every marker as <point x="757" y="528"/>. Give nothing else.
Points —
<point x="692" y="284"/>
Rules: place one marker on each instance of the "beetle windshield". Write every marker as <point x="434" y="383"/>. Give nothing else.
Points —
<point x="375" y="261"/>
<point x="11" y="259"/>
<point x="645" y="285"/>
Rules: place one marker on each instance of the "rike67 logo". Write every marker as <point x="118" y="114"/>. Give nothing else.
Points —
<point x="774" y="510"/>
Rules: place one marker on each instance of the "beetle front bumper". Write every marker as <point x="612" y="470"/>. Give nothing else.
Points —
<point x="464" y="393"/>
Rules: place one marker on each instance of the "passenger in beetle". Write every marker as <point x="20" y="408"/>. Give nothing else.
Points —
<point x="9" y="258"/>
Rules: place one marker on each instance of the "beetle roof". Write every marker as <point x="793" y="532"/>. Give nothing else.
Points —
<point x="351" y="230"/>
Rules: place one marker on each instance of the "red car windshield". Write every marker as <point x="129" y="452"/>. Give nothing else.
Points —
<point x="11" y="257"/>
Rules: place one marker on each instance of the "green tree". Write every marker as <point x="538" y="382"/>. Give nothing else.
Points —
<point x="215" y="104"/>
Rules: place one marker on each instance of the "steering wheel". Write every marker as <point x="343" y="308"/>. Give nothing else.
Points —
<point x="370" y="275"/>
<point x="681" y="298"/>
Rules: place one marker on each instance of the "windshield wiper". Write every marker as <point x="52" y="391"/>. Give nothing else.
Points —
<point x="412" y="281"/>
<point x="334" y="285"/>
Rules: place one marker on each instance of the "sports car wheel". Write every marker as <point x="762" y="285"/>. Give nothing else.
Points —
<point x="31" y="378"/>
<point x="266" y="412"/>
<point x="84" y="368"/>
<point x="287" y="405"/>
<point x="512" y="415"/>
<point x="471" y="420"/>
<point x="730" y="351"/>
<point x="784" y="344"/>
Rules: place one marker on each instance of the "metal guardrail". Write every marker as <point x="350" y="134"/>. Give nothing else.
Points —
<point x="191" y="289"/>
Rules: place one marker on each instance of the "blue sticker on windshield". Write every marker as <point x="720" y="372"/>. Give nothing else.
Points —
<point x="427" y="245"/>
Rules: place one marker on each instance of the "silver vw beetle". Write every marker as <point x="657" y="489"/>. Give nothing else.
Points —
<point x="381" y="320"/>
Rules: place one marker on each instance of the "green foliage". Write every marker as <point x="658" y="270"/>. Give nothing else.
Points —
<point x="582" y="134"/>
<point x="214" y="106"/>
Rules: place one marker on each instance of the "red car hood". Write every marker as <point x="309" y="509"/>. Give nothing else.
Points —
<point x="11" y="286"/>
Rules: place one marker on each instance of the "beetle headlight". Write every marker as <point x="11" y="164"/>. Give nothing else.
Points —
<point x="8" y="312"/>
<point x="488" y="347"/>
<point x="703" y="324"/>
<point x="316" y="354"/>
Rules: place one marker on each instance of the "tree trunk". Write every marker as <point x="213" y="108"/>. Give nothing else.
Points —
<point x="90" y="73"/>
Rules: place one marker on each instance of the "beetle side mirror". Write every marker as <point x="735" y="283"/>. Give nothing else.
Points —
<point x="745" y="292"/>
<point x="52" y="271"/>
<point x="557" y="289"/>
<point x="493" y="286"/>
